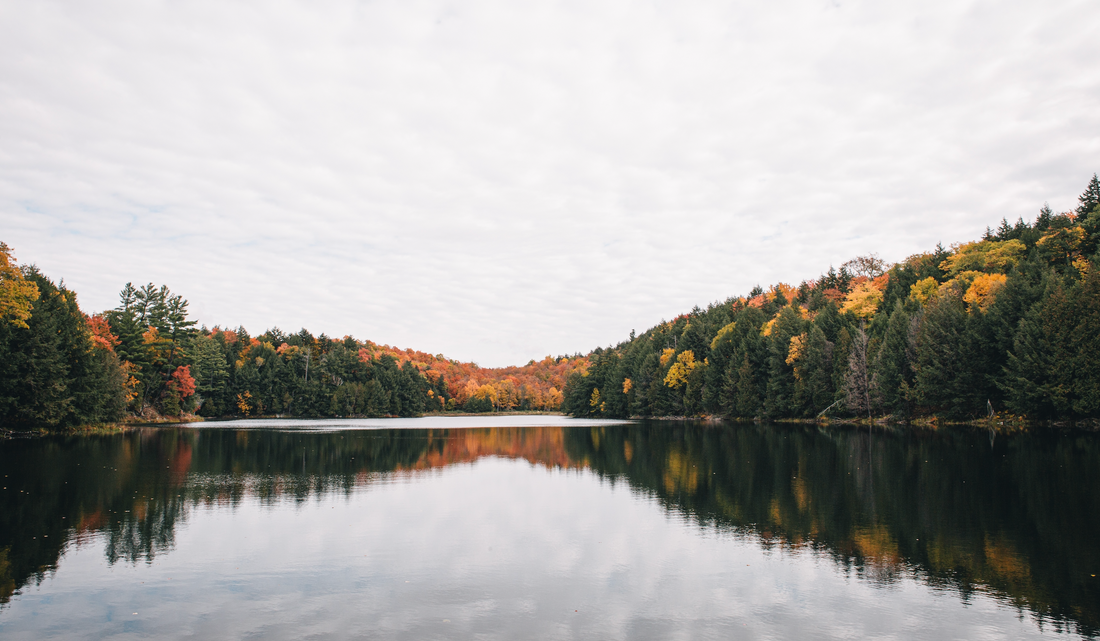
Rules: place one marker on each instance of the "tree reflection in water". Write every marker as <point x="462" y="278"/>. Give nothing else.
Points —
<point x="1016" y="516"/>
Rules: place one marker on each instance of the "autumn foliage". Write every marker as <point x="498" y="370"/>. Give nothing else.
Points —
<point x="1005" y="323"/>
<point x="536" y="385"/>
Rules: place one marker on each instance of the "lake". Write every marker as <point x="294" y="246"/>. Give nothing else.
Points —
<point x="544" y="527"/>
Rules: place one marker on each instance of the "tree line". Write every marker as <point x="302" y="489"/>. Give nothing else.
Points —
<point x="146" y="358"/>
<point x="1006" y="324"/>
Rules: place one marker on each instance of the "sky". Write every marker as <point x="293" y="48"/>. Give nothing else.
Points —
<point x="500" y="181"/>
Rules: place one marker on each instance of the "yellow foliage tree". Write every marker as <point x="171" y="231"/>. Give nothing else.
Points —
<point x="984" y="256"/>
<point x="1063" y="245"/>
<point x="923" y="290"/>
<point x="1082" y="265"/>
<point x="983" y="291"/>
<point x="766" y="330"/>
<point x="667" y="355"/>
<point x="16" y="293"/>
<point x="863" y="300"/>
<point x="795" y="351"/>
<point x="244" y="402"/>
<point x="627" y="386"/>
<point x="678" y="374"/>
<point x="960" y="283"/>
<point x="722" y="333"/>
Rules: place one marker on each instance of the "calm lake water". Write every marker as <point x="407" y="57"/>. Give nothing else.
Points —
<point x="547" y="528"/>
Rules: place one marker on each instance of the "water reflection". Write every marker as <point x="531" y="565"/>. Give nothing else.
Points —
<point x="1016" y="516"/>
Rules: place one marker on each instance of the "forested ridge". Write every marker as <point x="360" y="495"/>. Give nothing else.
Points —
<point x="1008" y="324"/>
<point x="146" y="359"/>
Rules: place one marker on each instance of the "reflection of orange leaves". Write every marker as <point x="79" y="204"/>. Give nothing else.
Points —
<point x="680" y="474"/>
<point x="1005" y="562"/>
<point x="180" y="463"/>
<point x="539" y="446"/>
<point x="91" y="522"/>
<point x="875" y="544"/>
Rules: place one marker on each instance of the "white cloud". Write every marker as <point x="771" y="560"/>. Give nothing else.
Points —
<point x="499" y="181"/>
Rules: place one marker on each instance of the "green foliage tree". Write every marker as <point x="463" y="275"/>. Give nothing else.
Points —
<point x="54" y="375"/>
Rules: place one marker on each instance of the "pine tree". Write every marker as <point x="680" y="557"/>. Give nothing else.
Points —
<point x="1029" y="382"/>
<point x="747" y="398"/>
<point x="813" y="387"/>
<point x="941" y="368"/>
<point x="52" y="374"/>
<point x="857" y="381"/>
<point x="1090" y="199"/>
<point x="892" y="368"/>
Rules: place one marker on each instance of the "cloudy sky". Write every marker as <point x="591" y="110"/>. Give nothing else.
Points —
<point x="499" y="181"/>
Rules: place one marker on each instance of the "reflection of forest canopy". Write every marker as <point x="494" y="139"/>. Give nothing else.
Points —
<point x="1010" y="322"/>
<point x="1016" y="517"/>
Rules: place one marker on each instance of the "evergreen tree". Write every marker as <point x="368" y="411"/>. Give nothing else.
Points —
<point x="1029" y="381"/>
<point x="780" y="376"/>
<point x="893" y="372"/>
<point x="53" y="375"/>
<point x="1090" y="199"/>
<point x="857" y="381"/>
<point x="813" y="390"/>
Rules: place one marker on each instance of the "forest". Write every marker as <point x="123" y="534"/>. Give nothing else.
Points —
<point x="145" y="360"/>
<point x="1008" y="325"/>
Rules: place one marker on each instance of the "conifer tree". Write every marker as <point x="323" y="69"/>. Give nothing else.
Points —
<point x="1088" y="200"/>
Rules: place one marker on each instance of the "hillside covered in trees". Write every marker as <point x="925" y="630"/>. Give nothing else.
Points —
<point x="144" y="358"/>
<point x="1009" y="324"/>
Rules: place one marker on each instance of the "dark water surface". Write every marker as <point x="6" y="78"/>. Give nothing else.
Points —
<point x="547" y="528"/>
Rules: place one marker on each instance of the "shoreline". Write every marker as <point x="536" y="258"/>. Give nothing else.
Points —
<point x="997" y="423"/>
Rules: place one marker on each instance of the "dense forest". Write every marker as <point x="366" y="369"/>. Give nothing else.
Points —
<point x="146" y="359"/>
<point x="1009" y="324"/>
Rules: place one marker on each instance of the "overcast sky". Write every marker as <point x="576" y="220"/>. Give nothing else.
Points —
<point x="500" y="180"/>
